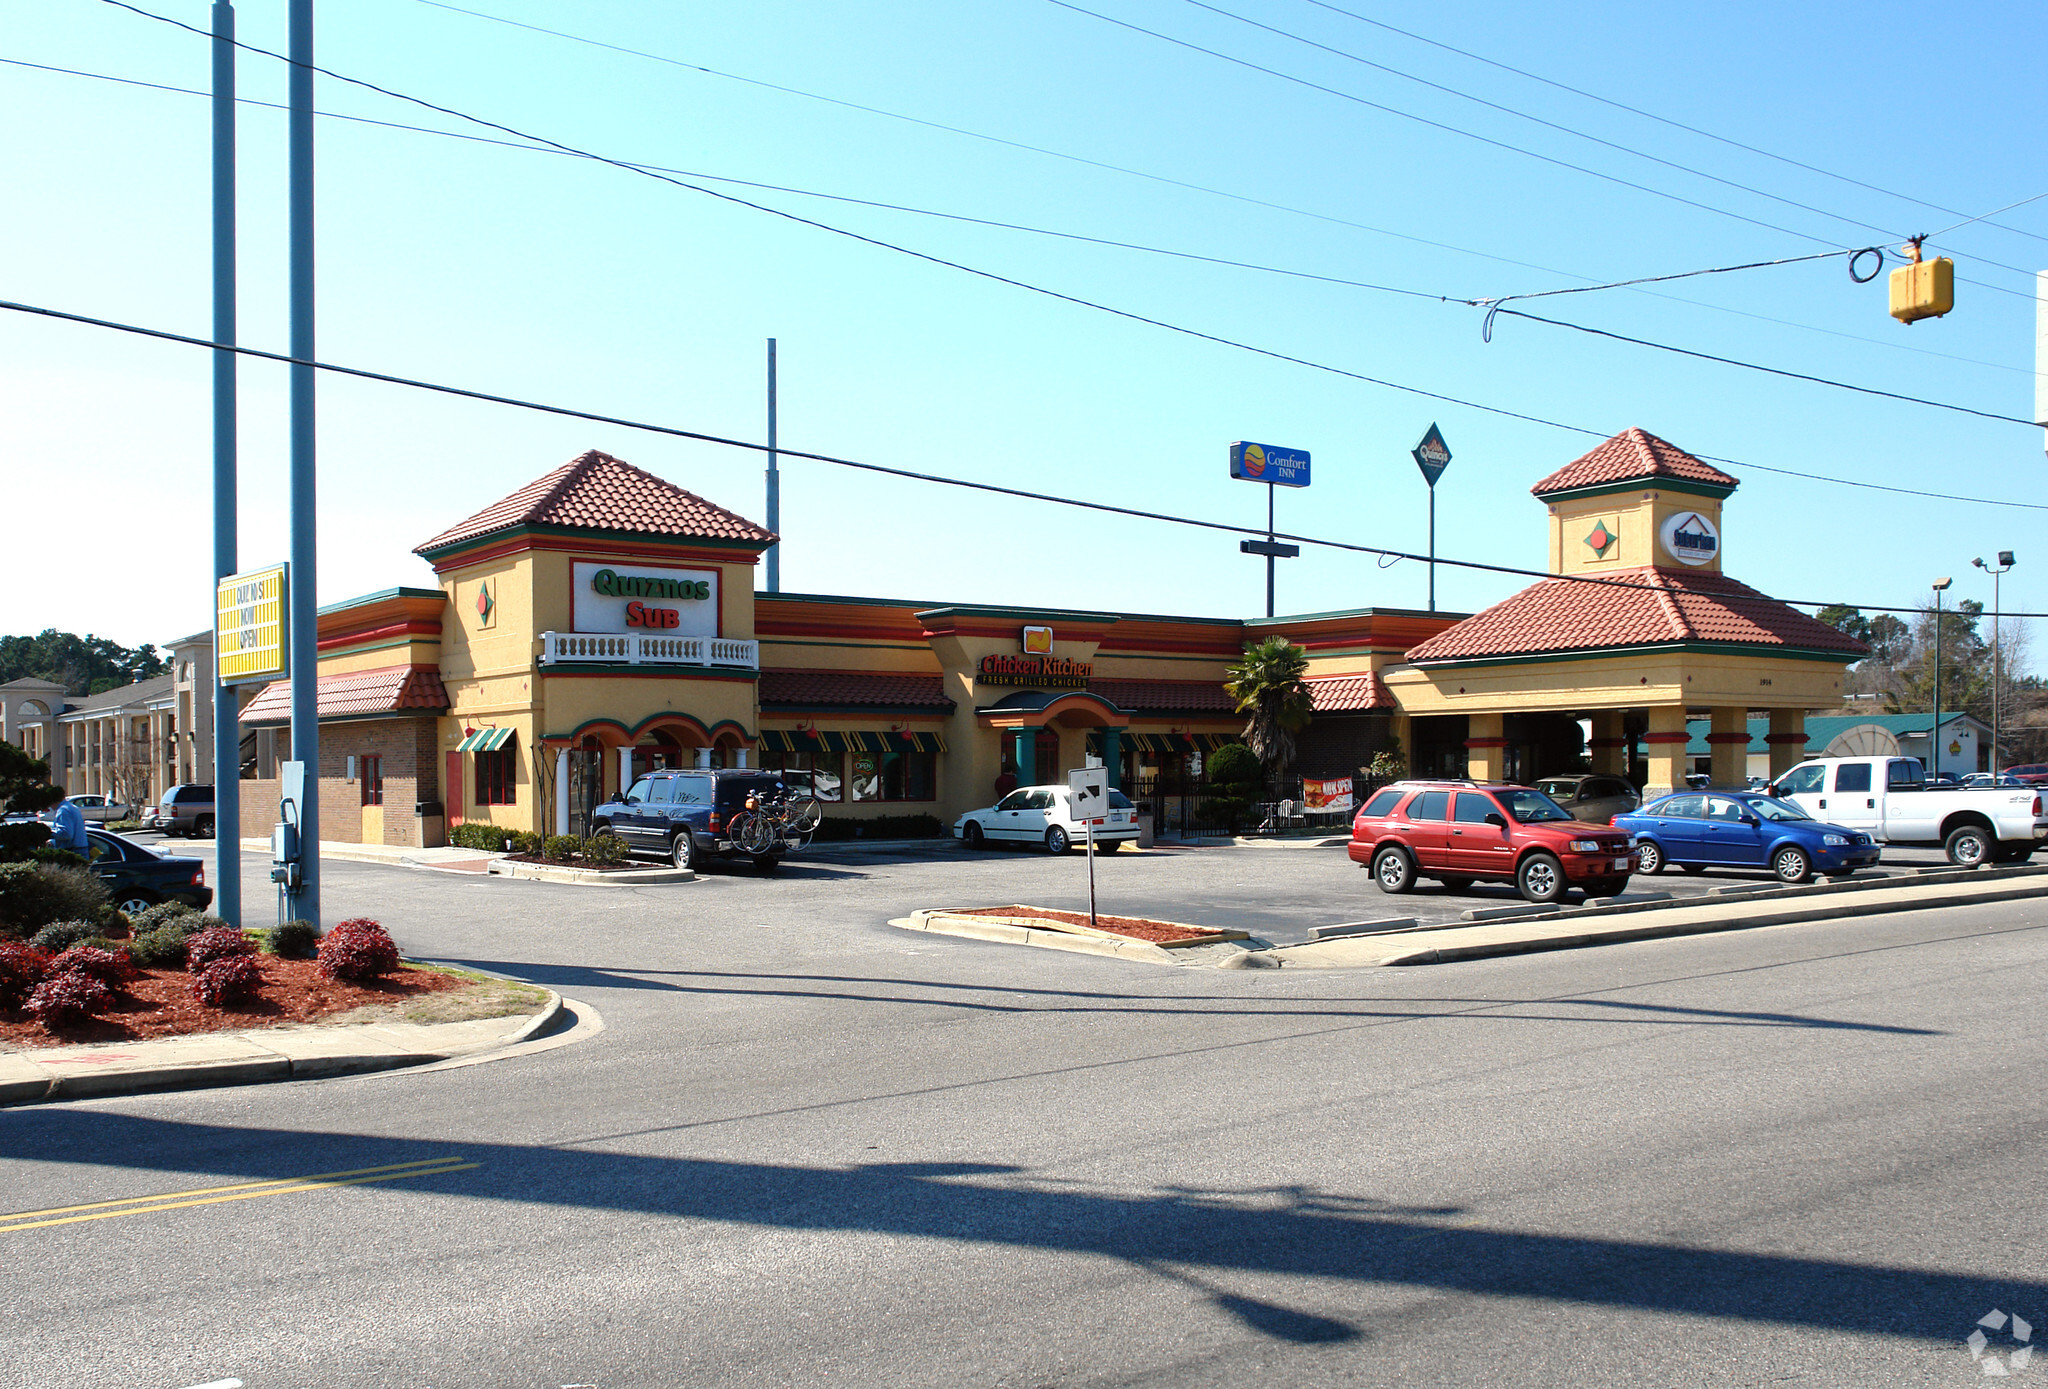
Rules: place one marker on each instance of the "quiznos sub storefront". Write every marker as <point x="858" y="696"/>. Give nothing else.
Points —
<point x="600" y="623"/>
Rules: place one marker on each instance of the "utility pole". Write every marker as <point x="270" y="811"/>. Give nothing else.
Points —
<point x="1996" y="571"/>
<point x="227" y="727"/>
<point x="305" y="607"/>
<point x="1934" y="742"/>
<point x="774" y="484"/>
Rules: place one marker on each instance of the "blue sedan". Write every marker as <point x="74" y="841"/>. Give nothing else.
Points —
<point x="1743" y="829"/>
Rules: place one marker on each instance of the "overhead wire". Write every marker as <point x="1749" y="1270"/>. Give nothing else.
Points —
<point x="908" y="474"/>
<point x="1649" y="115"/>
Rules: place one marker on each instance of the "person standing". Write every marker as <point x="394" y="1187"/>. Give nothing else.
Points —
<point x="67" y="828"/>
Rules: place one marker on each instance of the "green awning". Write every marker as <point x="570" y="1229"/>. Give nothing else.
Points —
<point x="485" y="740"/>
<point x="858" y="740"/>
<point x="1165" y="744"/>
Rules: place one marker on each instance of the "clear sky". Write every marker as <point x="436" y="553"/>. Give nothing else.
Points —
<point x="534" y="274"/>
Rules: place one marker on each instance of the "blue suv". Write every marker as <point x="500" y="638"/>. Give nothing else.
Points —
<point x="1741" y="829"/>
<point x="685" y="816"/>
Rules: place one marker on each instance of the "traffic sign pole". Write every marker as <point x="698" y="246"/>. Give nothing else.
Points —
<point x="1269" y="549"/>
<point x="1432" y="456"/>
<point x="227" y="728"/>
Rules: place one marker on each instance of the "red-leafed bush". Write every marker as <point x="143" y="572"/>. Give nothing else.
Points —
<point x="229" y="979"/>
<point x="357" y="949"/>
<point x="22" y="967"/>
<point x="216" y="943"/>
<point x="108" y="966"/>
<point x="66" y="998"/>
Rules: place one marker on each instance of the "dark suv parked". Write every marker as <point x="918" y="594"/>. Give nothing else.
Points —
<point x="683" y="816"/>
<point x="1460" y="832"/>
<point x="185" y="809"/>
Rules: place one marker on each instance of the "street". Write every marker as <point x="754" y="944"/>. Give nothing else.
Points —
<point x="808" y="1147"/>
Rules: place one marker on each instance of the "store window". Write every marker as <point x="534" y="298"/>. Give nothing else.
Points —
<point x="371" y="766"/>
<point x="820" y="771"/>
<point x="497" y="777"/>
<point x="893" y="776"/>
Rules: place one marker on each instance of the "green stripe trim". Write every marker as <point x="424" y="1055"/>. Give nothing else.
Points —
<point x="1647" y="484"/>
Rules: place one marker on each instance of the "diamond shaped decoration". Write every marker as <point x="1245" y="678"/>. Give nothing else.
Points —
<point x="483" y="600"/>
<point x="1601" y="540"/>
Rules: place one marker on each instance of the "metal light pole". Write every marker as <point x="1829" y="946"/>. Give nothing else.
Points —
<point x="227" y="727"/>
<point x="774" y="484"/>
<point x="1934" y="740"/>
<point x="1996" y="571"/>
<point x="305" y="608"/>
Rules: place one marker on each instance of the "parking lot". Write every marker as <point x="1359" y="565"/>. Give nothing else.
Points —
<point x="1278" y="892"/>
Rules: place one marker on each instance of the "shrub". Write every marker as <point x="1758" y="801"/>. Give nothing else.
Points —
<point x="163" y="948"/>
<point x="1233" y="765"/>
<point x="880" y="827"/>
<point x="161" y="915"/>
<point x="294" y="940"/>
<point x="475" y="835"/>
<point x="113" y="922"/>
<point x="21" y="838"/>
<point x="560" y="848"/>
<point x="357" y="949"/>
<point x="123" y="826"/>
<point x="32" y="895"/>
<point x="605" y="849"/>
<point x="230" y="979"/>
<point x="22" y="967"/>
<point x="62" y="858"/>
<point x="216" y="943"/>
<point x="529" y="842"/>
<point x="63" y="998"/>
<point x="62" y="935"/>
<point x="107" y="966"/>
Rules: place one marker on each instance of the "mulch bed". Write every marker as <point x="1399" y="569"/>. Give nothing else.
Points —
<point x="159" y="1003"/>
<point x="581" y="865"/>
<point x="1136" y="927"/>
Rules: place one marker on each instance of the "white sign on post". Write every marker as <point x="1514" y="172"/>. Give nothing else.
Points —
<point x="1089" y="788"/>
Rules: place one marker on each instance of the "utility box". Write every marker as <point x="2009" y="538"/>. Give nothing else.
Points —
<point x="1924" y="289"/>
<point x="430" y="824"/>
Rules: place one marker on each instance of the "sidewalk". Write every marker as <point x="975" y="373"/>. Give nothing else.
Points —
<point x="260" y="1054"/>
<point x="450" y="859"/>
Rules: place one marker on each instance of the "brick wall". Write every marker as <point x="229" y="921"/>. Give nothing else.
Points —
<point x="407" y="747"/>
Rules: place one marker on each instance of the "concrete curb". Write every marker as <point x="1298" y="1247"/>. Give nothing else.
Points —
<point x="946" y="924"/>
<point x="1252" y="841"/>
<point x="249" y="1058"/>
<point x="584" y="877"/>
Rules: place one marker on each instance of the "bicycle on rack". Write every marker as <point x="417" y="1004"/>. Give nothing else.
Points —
<point x="769" y="820"/>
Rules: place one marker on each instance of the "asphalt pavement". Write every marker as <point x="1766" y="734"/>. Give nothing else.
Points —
<point x="811" y="1148"/>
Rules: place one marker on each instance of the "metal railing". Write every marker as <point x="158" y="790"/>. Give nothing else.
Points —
<point x="644" y="648"/>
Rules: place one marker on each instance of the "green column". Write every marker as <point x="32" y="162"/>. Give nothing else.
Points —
<point x="1113" y="756"/>
<point x="1024" y="752"/>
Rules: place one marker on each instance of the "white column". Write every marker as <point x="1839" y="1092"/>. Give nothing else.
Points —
<point x="739" y="757"/>
<point x="703" y="757"/>
<point x="625" y="769"/>
<point x="561" y="790"/>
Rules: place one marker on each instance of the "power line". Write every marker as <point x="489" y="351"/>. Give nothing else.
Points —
<point x="1356" y="99"/>
<point x="1126" y="314"/>
<point x="1651" y="115"/>
<point x="939" y="479"/>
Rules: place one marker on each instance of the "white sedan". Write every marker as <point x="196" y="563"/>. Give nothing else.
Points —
<point x="1045" y="815"/>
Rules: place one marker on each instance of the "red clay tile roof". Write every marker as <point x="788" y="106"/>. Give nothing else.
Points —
<point x="386" y="690"/>
<point x="828" y="689"/>
<point x="1165" y="696"/>
<point x="1340" y="694"/>
<point x="598" y="492"/>
<point x="1676" y="606"/>
<point x="1629" y="455"/>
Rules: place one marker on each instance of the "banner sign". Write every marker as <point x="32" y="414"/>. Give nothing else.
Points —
<point x="249" y="626"/>
<point x="1269" y="463"/>
<point x="1039" y="672"/>
<point x="644" y="598"/>
<point x="1333" y="794"/>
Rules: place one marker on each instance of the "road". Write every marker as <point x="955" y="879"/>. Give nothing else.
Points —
<point x="810" y="1148"/>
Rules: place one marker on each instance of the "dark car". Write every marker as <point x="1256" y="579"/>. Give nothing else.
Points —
<point x="1596" y="799"/>
<point x="139" y="878"/>
<point x="184" y="809"/>
<point x="686" y="816"/>
<point x="1461" y="832"/>
<point x="1741" y="829"/>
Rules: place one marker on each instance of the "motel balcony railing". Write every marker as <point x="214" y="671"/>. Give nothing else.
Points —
<point x="647" y="649"/>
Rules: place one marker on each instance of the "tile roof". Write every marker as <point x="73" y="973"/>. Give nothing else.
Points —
<point x="1339" y="694"/>
<point x="355" y="693"/>
<point x="1673" y="606"/>
<point x="1629" y="455"/>
<point x="599" y="492"/>
<point x="814" y="689"/>
<point x="1166" y="696"/>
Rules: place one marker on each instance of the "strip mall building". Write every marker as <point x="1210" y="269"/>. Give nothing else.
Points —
<point x="601" y="622"/>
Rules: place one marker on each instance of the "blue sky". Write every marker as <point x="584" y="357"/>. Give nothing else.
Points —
<point x="533" y="274"/>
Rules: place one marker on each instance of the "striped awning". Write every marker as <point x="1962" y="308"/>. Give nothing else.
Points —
<point x="1165" y="744"/>
<point x="859" y="740"/>
<point x="485" y="740"/>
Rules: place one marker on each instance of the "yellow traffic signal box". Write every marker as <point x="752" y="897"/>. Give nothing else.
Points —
<point x="1924" y="289"/>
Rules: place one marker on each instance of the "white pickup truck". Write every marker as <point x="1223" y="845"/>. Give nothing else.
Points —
<point x="1888" y="799"/>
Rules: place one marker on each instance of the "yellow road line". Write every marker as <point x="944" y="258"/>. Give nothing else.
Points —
<point x="174" y="1200"/>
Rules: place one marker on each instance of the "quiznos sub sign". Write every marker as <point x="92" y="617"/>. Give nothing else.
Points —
<point x="1039" y="672"/>
<point x="643" y="598"/>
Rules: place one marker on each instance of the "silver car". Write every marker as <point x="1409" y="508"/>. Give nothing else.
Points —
<point x="1597" y="798"/>
<point x="103" y="810"/>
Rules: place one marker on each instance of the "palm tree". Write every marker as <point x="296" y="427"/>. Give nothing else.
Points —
<point x="1267" y="685"/>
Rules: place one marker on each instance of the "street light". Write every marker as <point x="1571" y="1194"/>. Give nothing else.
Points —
<point x="1934" y="740"/>
<point x="1995" y="570"/>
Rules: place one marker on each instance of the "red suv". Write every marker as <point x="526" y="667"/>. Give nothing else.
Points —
<point x="1459" y="832"/>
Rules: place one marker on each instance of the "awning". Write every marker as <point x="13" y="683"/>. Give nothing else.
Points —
<point x="356" y="694"/>
<point x="861" y="740"/>
<point x="485" y="740"/>
<point x="1165" y="744"/>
